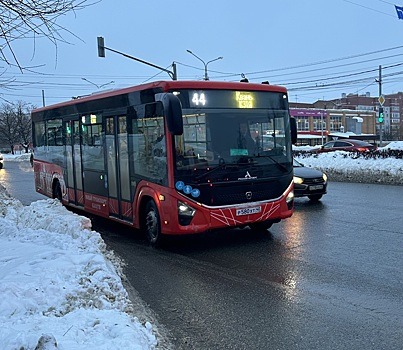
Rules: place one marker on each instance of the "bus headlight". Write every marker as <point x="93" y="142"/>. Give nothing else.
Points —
<point x="185" y="213"/>
<point x="290" y="200"/>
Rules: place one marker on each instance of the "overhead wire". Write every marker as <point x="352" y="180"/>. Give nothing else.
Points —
<point x="369" y="8"/>
<point x="296" y="76"/>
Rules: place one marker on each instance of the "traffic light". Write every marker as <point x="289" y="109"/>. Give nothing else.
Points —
<point x="380" y="117"/>
<point x="101" y="46"/>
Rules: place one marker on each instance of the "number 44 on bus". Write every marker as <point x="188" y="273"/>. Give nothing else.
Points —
<point x="171" y="157"/>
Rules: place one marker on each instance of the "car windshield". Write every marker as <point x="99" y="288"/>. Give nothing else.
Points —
<point x="232" y="136"/>
<point x="362" y="143"/>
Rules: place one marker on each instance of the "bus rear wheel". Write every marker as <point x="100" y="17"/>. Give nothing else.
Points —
<point x="57" y="191"/>
<point x="152" y="223"/>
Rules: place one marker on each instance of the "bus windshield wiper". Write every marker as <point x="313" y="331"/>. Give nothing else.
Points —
<point x="221" y="165"/>
<point x="282" y="166"/>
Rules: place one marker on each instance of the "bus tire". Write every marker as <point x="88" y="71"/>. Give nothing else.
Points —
<point x="152" y="224"/>
<point x="57" y="191"/>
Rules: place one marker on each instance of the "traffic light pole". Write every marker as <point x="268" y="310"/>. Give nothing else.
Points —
<point x="101" y="53"/>
<point x="380" y="107"/>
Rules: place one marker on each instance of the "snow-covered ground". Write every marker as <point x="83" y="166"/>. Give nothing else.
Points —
<point x="59" y="284"/>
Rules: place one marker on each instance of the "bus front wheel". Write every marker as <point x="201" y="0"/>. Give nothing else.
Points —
<point x="152" y="223"/>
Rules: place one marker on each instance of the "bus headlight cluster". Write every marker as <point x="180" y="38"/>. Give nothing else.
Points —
<point x="185" y="213"/>
<point x="290" y="200"/>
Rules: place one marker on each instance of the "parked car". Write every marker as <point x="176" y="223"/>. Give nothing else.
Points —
<point x="348" y="145"/>
<point x="309" y="182"/>
<point x="1" y="161"/>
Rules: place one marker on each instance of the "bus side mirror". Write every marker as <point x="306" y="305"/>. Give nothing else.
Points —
<point x="172" y="111"/>
<point x="293" y="127"/>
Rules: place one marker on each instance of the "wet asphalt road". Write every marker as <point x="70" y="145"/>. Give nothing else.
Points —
<point x="330" y="277"/>
<point x="18" y="178"/>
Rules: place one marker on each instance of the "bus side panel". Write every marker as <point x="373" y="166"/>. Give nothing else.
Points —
<point x="96" y="204"/>
<point x="45" y="173"/>
<point x="71" y="194"/>
<point x="126" y="209"/>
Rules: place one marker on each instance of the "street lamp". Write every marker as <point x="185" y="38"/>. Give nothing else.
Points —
<point x="205" y="63"/>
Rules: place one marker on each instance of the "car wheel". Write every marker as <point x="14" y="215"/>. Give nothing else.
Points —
<point x="152" y="224"/>
<point x="315" y="197"/>
<point x="261" y="226"/>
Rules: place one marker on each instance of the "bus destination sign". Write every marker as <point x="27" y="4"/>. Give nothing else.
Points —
<point x="231" y="99"/>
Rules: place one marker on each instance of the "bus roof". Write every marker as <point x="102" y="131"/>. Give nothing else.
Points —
<point x="166" y="86"/>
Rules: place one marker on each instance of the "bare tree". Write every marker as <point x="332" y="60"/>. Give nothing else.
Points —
<point x="24" y="125"/>
<point x="15" y="124"/>
<point x="8" y="126"/>
<point x="32" y="19"/>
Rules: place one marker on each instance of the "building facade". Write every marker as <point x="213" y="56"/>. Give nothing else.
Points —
<point x="392" y="127"/>
<point x="317" y="125"/>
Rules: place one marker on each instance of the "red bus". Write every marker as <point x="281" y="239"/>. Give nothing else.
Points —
<point x="171" y="157"/>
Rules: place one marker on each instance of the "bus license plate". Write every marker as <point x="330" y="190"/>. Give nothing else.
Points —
<point x="316" y="187"/>
<point x="248" y="211"/>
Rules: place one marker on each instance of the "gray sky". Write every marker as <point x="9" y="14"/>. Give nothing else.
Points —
<point x="317" y="48"/>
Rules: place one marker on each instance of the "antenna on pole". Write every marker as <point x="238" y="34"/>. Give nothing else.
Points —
<point x="101" y="53"/>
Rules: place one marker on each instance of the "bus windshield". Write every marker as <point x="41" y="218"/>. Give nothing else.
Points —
<point x="212" y="138"/>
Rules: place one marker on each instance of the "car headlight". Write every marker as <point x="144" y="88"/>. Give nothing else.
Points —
<point x="324" y="177"/>
<point x="298" y="180"/>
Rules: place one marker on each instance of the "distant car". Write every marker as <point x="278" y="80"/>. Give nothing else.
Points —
<point x="1" y="161"/>
<point x="309" y="182"/>
<point x="348" y="145"/>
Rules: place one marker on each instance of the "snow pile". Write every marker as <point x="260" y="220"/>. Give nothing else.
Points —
<point x="355" y="167"/>
<point x="340" y="167"/>
<point x="17" y="157"/>
<point x="397" y="145"/>
<point x="59" y="286"/>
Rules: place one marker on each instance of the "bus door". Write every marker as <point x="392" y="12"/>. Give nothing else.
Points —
<point x="73" y="162"/>
<point x="117" y="163"/>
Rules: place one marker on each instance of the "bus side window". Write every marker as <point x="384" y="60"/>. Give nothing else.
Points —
<point x="39" y="128"/>
<point x="149" y="143"/>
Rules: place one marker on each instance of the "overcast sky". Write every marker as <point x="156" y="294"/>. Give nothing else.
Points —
<point x="279" y="41"/>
